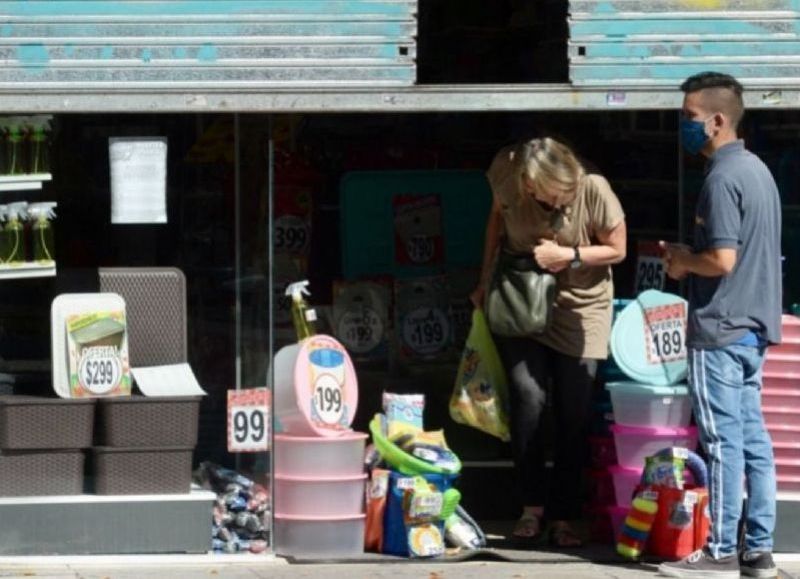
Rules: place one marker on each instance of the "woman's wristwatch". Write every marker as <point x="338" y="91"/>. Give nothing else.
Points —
<point x="576" y="259"/>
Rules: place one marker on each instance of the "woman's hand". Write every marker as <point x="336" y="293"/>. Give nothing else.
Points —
<point x="551" y="256"/>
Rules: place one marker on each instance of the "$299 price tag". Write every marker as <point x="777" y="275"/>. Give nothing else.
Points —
<point x="100" y="370"/>
<point x="248" y="420"/>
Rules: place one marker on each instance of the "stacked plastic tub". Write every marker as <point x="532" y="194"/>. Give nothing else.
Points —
<point x="319" y="478"/>
<point x="652" y="410"/>
<point x="780" y="402"/>
<point x="41" y="445"/>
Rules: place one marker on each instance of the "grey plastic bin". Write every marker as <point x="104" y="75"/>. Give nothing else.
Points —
<point x="142" y="471"/>
<point x="139" y="421"/>
<point x="26" y="473"/>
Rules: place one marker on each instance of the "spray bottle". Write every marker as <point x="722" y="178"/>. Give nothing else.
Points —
<point x="42" y="231"/>
<point x="3" y="234"/>
<point x="15" y="162"/>
<point x="39" y="147"/>
<point x="15" y="232"/>
<point x="303" y="317"/>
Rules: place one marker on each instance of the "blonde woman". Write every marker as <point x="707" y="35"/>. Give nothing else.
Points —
<point x="549" y="209"/>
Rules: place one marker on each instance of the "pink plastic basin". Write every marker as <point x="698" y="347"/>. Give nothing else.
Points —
<point x="320" y="536"/>
<point x="787" y="468"/>
<point x="783" y="433"/>
<point x="789" y="347"/>
<point x="780" y="416"/>
<point x="785" y="364"/>
<point x="782" y="381"/>
<point x="635" y="443"/>
<point x="625" y="482"/>
<point x="787" y="450"/>
<point x="790" y="327"/>
<point x="316" y="456"/>
<point x="319" y="497"/>
<point x="784" y="399"/>
<point x="602" y="451"/>
<point x="788" y="484"/>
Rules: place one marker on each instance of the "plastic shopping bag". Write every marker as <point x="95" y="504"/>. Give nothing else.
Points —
<point x="480" y="396"/>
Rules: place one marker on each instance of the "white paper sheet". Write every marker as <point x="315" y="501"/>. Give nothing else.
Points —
<point x="169" y="380"/>
<point x="138" y="179"/>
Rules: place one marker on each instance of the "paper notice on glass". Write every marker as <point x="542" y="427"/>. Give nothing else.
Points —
<point x="169" y="380"/>
<point x="138" y="179"/>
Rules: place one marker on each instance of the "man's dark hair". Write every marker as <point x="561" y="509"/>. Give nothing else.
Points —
<point x="724" y="91"/>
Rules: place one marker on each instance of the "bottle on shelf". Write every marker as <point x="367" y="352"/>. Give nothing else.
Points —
<point x="303" y="317"/>
<point x="39" y="144"/>
<point x="4" y="247"/>
<point x="15" y="146"/>
<point x="15" y="232"/>
<point x="42" y="235"/>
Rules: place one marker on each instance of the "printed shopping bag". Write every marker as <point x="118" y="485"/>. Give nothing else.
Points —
<point x="480" y="396"/>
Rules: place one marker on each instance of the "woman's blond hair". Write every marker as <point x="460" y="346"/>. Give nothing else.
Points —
<point x="551" y="167"/>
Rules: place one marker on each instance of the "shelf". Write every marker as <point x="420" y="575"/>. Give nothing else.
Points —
<point x="27" y="270"/>
<point x="250" y="98"/>
<point x="28" y="182"/>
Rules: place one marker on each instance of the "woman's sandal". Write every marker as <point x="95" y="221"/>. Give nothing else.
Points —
<point x="527" y="528"/>
<point x="563" y="537"/>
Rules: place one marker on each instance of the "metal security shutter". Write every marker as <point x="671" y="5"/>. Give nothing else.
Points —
<point x="212" y="44"/>
<point x="661" y="42"/>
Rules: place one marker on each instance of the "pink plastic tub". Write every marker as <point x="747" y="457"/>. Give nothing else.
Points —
<point x="320" y="497"/>
<point x="602" y="451"/>
<point x="635" y="443"/>
<point x="625" y="482"/>
<point x="784" y="399"/>
<point x="788" y="484"/>
<point x="787" y="450"/>
<point x="316" y="456"/>
<point x="783" y="433"/>
<point x="320" y="536"/>
<point x="782" y="381"/>
<point x="778" y="416"/>
<point x="787" y="468"/>
<point x="790" y="326"/>
<point x="789" y="347"/>
<point x="782" y="364"/>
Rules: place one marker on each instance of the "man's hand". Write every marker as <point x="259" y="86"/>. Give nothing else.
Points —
<point x="477" y="296"/>
<point x="676" y="259"/>
<point x="551" y="256"/>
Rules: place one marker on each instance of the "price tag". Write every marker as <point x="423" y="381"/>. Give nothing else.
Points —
<point x="650" y="272"/>
<point x="361" y="331"/>
<point x="100" y="370"/>
<point x="421" y="248"/>
<point x="248" y="420"/>
<point x="328" y="399"/>
<point x="665" y="333"/>
<point x="426" y="331"/>
<point x="292" y="235"/>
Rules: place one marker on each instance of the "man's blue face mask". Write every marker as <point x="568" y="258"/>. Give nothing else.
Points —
<point x="693" y="135"/>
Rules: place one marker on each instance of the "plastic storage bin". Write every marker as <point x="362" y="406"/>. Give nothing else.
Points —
<point x="635" y="443"/>
<point x="638" y="404"/>
<point x="625" y="482"/>
<point x="33" y="422"/>
<point x="788" y="484"/>
<point x="788" y="347"/>
<point x="783" y="433"/>
<point x="787" y="467"/>
<point x="784" y="399"/>
<point x="602" y="452"/>
<point x="790" y="327"/>
<point x="42" y="472"/>
<point x="142" y="471"/>
<point x="320" y="536"/>
<point x="298" y="456"/>
<point x="782" y="364"/>
<point x="775" y="415"/>
<point x="782" y="381"/>
<point x="141" y="421"/>
<point x="787" y="450"/>
<point x="601" y="489"/>
<point x="320" y="497"/>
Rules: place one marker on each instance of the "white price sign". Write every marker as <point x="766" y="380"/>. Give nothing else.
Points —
<point x="421" y="248"/>
<point x="248" y="420"/>
<point x="100" y="369"/>
<point x="426" y="330"/>
<point x="665" y="333"/>
<point x="361" y="331"/>
<point x="328" y="399"/>
<point x="650" y="273"/>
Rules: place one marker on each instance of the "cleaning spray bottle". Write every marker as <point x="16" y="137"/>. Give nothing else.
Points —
<point x="39" y="147"/>
<point x="15" y="232"/>
<point x="15" y="162"/>
<point x="303" y="317"/>
<point x="41" y="215"/>
<point x="3" y="234"/>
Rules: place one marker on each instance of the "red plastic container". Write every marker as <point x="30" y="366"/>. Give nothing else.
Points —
<point x="677" y="530"/>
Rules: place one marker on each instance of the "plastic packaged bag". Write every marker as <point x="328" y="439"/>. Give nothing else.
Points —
<point x="480" y="396"/>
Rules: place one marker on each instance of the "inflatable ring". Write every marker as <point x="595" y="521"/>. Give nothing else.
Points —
<point x="695" y="464"/>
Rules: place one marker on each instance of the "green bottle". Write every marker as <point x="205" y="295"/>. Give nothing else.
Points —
<point x="39" y="154"/>
<point x="15" y="164"/>
<point x="15" y="231"/>
<point x="303" y="317"/>
<point x="42" y="231"/>
<point x="3" y="234"/>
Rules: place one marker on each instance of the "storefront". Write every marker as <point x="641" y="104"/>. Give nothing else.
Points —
<point x="293" y="131"/>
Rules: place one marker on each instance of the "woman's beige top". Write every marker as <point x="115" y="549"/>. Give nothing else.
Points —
<point x="581" y="321"/>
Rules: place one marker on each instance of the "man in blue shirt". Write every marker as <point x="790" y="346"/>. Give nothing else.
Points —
<point x="735" y="298"/>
